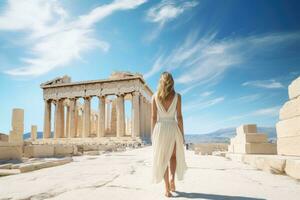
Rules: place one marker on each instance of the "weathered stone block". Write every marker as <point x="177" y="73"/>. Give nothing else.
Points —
<point x="43" y="164"/>
<point x="63" y="150"/>
<point x="290" y="109"/>
<point x="3" y="137"/>
<point x="294" y="88"/>
<point x="90" y="147"/>
<point x="261" y="148"/>
<point x="254" y="148"/>
<point x="6" y="166"/>
<point x="246" y="128"/>
<point x="288" y="127"/>
<point x="252" y="138"/>
<point x="7" y="172"/>
<point x="289" y="146"/>
<point x="10" y="152"/>
<point x="292" y="168"/>
<point x="37" y="151"/>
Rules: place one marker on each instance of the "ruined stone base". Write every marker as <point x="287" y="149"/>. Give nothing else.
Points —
<point x="10" y="151"/>
<point x="209" y="148"/>
<point x="275" y="164"/>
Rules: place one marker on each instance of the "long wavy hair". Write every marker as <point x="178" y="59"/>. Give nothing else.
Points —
<point x="165" y="86"/>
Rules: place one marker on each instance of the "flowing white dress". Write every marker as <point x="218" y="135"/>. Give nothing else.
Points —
<point x="165" y="134"/>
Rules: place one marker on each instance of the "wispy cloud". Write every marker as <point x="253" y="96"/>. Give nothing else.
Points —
<point x="205" y="60"/>
<point x="52" y="38"/>
<point x="267" y="84"/>
<point x="166" y="11"/>
<point x="206" y="94"/>
<point x="200" y="104"/>
<point x="248" y="98"/>
<point x="267" y="112"/>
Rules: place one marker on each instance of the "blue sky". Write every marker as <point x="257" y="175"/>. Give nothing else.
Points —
<point x="232" y="61"/>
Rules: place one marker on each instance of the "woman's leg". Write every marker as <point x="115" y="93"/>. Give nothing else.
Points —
<point x="167" y="186"/>
<point x="173" y="168"/>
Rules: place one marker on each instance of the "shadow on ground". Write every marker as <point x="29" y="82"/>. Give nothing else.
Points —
<point x="193" y="195"/>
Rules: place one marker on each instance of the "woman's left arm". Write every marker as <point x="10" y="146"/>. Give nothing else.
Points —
<point x="179" y="116"/>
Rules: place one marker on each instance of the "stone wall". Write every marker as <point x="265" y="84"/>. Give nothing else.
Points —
<point x="288" y="127"/>
<point x="209" y="148"/>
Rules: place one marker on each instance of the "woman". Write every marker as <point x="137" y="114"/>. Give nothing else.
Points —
<point x="167" y="134"/>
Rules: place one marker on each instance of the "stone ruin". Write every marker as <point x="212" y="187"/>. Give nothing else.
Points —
<point x="74" y="120"/>
<point x="210" y="148"/>
<point x="12" y="147"/>
<point x="248" y="141"/>
<point x="288" y="127"/>
<point x="287" y="159"/>
<point x="77" y="128"/>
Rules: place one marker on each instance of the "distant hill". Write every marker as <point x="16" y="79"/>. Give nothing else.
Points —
<point x="224" y="135"/>
<point x="28" y="135"/>
<point x="221" y="135"/>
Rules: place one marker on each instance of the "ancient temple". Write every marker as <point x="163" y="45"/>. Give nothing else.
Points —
<point x="74" y="118"/>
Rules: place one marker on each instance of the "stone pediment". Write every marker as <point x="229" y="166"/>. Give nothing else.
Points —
<point x="123" y="74"/>
<point x="58" y="80"/>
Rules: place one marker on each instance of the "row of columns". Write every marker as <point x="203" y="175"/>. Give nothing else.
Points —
<point x="80" y="125"/>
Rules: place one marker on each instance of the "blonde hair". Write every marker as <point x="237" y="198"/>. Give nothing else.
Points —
<point x="165" y="86"/>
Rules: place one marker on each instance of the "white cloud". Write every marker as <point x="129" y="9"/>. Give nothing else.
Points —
<point x="272" y="111"/>
<point x="200" y="105"/>
<point x="267" y="112"/>
<point x="267" y="84"/>
<point x="166" y="11"/>
<point x="206" y="94"/>
<point x="248" y="98"/>
<point x="52" y="39"/>
<point x="206" y="59"/>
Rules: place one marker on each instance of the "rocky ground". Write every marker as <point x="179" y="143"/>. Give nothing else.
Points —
<point x="127" y="175"/>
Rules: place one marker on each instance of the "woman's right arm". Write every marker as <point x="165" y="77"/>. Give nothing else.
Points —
<point x="153" y="114"/>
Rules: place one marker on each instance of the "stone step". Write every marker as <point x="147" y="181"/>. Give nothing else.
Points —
<point x="290" y="109"/>
<point x="292" y="168"/>
<point x="246" y="128"/>
<point x="288" y="127"/>
<point x="294" y="88"/>
<point x="289" y="146"/>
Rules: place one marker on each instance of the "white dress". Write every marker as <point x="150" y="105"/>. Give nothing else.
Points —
<point x="165" y="134"/>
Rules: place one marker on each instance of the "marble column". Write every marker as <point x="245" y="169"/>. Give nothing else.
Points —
<point x="47" y="119"/>
<point x="87" y="117"/>
<point x="101" y="117"/>
<point x="58" y="118"/>
<point x="135" y="115"/>
<point x="120" y="115"/>
<point x="33" y="132"/>
<point x="80" y="123"/>
<point x="62" y="112"/>
<point x="72" y="115"/>
<point x="67" y="125"/>
<point x="113" y="118"/>
<point x="107" y="117"/>
<point x="141" y="108"/>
